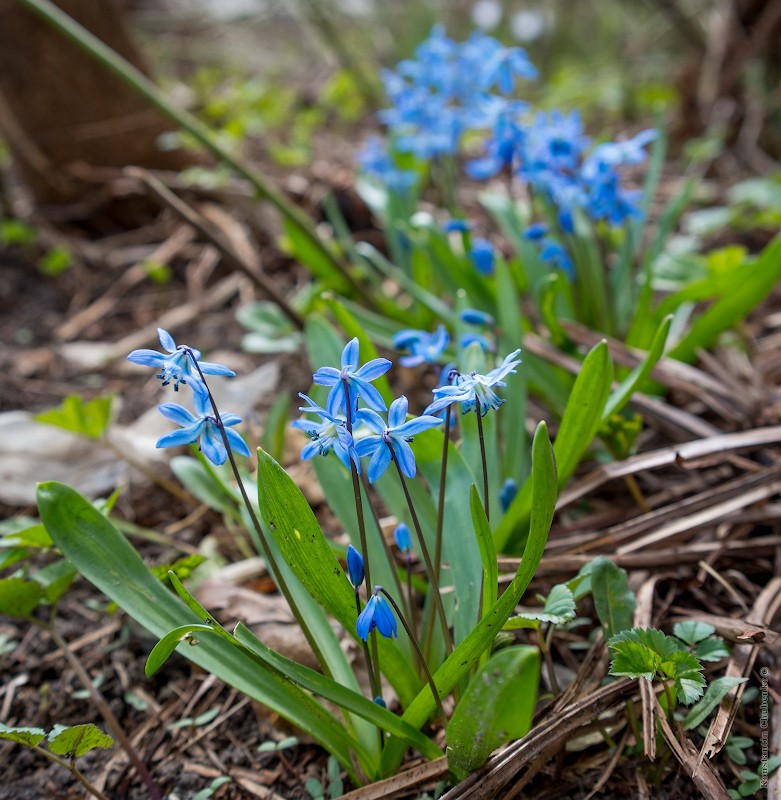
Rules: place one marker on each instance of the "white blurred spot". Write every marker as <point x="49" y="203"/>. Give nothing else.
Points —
<point x="487" y="14"/>
<point x="528" y="25"/>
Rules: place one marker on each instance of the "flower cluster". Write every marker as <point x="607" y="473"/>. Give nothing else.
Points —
<point x="182" y="365"/>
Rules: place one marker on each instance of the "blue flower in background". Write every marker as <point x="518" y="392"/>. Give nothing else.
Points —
<point x="475" y="390"/>
<point x="358" y="381"/>
<point x="391" y="440"/>
<point x="329" y="434"/>
<point x="469" y="339"/>
<point x="376" y="162"/>
<point x="377" y="614"/>
<point x="424" y="347"/>
<point x="482" y="255"/>
<point x="457" y="226"/>
<point x="473" y="316"/>
<point x="503" y="67"/>
<point x="507" y="493"/>
<point x="535" y="231"/>
<point x="554" y="254"/>
<point x="354" y="567"/>
<point x="202" y="425"/>
<point x="402" y="538"/>
<point x="177" y="366"/>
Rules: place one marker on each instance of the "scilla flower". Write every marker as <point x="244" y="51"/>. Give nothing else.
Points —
<point x="392" y="440"/>
<point x="402" y="538"/>
<point x="357" y="379"/>
<point x="177" y="366"/>
<point x="330" y="433"/>
<point x="377" y="614"/>
<point x="474" y="390"/>
<point x="202" y="425"/>
<point x="423" y="347"/>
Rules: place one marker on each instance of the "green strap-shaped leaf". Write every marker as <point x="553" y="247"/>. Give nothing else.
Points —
<point x="497" y="706"/>
<point x="623" y="394"/>
<point x="581" y="420"/>
<point x="613" y="599"/>
<point x="750" y="286"/>
<point x="76" y="740"/>
<point x="18" y="597"/>
<point x="330" y="690"/>
<point x="485" y="541"/>
<point x="164" y="649"/>
<point x="287" y="514"/>
<point x="544" y="494"/>
<point x="106" y="559"/>
<point x="716" y="692"/>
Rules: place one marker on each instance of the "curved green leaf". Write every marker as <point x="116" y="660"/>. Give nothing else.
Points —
<point x="613" y="599"/>
<point x="107" y="560"/>
<point x="76" y="740"/>
<point x="497" y="706"/>
<point x="164" y="649"/>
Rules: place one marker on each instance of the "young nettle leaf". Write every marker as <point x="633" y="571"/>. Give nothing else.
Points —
<point x="711" y="649"/>
<point x="651" y="654"/>
<point x="693" y="631"/>
<point x="559" y="608"/>
<point x="716" y="692"/>
<point x="76" y="740"/>
<point x="29" y="737"/>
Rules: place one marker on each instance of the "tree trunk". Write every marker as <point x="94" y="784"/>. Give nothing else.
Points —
<point x="61" y="110"/>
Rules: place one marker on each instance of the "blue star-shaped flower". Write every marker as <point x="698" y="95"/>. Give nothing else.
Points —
<point x="329" y="434"/>
<point x="423" y="347"/>
<point x="392" y="440"/>
<point x="357" y="379"/>
<point x="377" y="614"/>
<point x="177" y="366"/>
<point x="202" y="425"/>
<point x="475" y="389"/>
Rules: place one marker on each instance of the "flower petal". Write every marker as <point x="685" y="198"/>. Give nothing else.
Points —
<point x="367" y="446"/>
<point x="147" y="358"/>
<point x="182" y="436"/>
<point x="417" y="425"/>
<point x="379" y="463"/>
<point x="397" y="413"/>
<point x="178" y="414"/>
<point x="166" y="340"/>
<point x="370" y="395"/>
<point x="384" y="619"/>
<point x="405" y="457"/>
<point x="350" y="354"/>
<point x="365" y="622"/>
<point x="371" y="419"/>
<point x="216" y="369"/>
<point x="326" y="376"/>
<point x="238" y="445"/>
<point x="212" y="446"/>
<point x="372" y="370"/>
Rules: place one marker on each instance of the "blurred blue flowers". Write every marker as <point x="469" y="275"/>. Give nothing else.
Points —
<point x="423" y="347"/>
<point x="202" y="426"/>
<point x="377" y="614"/>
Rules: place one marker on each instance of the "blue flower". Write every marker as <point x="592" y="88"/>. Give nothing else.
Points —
<point x="475" y="390"/>
<point x="482" y="255"/>
<point x="507" y="493"/>
<point x="535" y="231"/>
<point x="468" y="339"/>
<point x="456" y="225"/>
<point x="402" y="537"/>
<point x="354" y="567"/>
<point x="177" y="366"/>
<point x="377" y="614"/>
<point x="392" y="440"/>
<point x="553" y="253"/>
<point x="376" y="162"/>
<point x="423" y="347"/>
<point x="502" y="68"/>
<point x="329" y="434"/>
<point x="202" y="425"/>
<point x="358" y="381"/>
<point x="474" y="316"/>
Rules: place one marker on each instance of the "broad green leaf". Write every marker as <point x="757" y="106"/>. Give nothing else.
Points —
<point x="85" y="418"/>
<point x="613" y="599"/>
<point x="202" y="484"/>
<point x="328" y="689"/>
<point x="108" y="561"/>
<point x="623" y="394"/>
<point x="559" y="608"/>
<point x="76" y="740"/>
<point x="12" y="555"/>
<point x="497" y="706"/>
<point x="164" y="649"/>
<point x="29" y="737"/>
<point x="713" y="696"/>
<point x="749" y="287"/>
<point x="287" y="514"/>
<point x="693" y="631"/>
<point x="19" y="597"/>
<point x="580" y="423"/>
<point x="28" y="536"/>
<point x="712" y="649"/>
<point x="469" y="651"/>
<point x="485" y="542"/>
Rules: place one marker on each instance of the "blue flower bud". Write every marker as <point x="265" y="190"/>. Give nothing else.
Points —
<point x="402" y="537"/>
<point x="474" y="316"/>
<point x="354" y="566"/>
<point x="507" y="493"/>
<point x="380" y="702"/>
